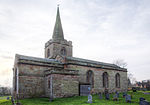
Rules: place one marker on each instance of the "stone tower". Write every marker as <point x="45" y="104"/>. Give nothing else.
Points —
<point x="58" y="45"/>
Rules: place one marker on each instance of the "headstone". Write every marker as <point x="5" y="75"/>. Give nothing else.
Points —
<point x="133" y="89"/>
<point x="144" y="102"/>
<point x="89" y="88"/>
<point x="141" y="99"/>
<point x="128" y="98"/>
<point x="117" y="94"/>
<point x="100" y="95"/>
<point x="89" y="98"/>
<point x="12" y="101"/>
<point x="124" y="94"/>
<point x="7" y="98"/>
<point x="115" y="97"/>
<point x="107" y="96"/>
<point x="106" y="91"/>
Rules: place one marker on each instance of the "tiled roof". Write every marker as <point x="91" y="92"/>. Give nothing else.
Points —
<point x="46" y="60"/>
<point x="80" y="60"/>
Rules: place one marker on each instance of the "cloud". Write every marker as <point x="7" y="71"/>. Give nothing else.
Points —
<point x="6" y="77"/>
<point x="102" y="30"/>
<point x="6" y="57"/>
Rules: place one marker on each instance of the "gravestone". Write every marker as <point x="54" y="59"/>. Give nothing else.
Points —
<point x="106" y="91"/>
<point x="12" y="101"/>
<point x="89" y="98"/>
<point x="141" y="98"/>
<point x="7" y="98"/>
<point x="100" y="95"/>
<point x="143" y="101"/>
<point x="117" y="94"/>
<point x="115" y="97"/>
<point x="124" y="94"/>
<point x="134" y="89"/>
<point x="107" y="96"/>
<point x="128" y="98"/>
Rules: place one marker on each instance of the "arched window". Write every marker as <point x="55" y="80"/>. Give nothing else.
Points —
<point x="48" y="53"/>
<point x="90" y="77"/>
<point x="105" y="80"/>
<point x="63" y="51"/>
<point x="117" y="78"/>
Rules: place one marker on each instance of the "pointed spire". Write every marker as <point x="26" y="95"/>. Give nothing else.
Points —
<point x="58" y="31"/>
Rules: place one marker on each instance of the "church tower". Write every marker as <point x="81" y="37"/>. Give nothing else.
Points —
<point x="58" y="45"/>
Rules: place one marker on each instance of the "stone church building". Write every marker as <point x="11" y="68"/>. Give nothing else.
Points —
<point x="60" y="74"/>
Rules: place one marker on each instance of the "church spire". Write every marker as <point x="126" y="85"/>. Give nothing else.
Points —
<point x="58" y="31"/>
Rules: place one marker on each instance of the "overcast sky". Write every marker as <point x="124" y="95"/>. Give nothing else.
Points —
<point x="101" y="30"/>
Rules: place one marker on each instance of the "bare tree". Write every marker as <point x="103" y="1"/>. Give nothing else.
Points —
<point x="120" y="63"/>
<point x="130" y="75"/>
<point x="131" y="79"/>
<point x="5" y="91"/>
<point x="123" y="64"/>
<point x="134" y="81"/>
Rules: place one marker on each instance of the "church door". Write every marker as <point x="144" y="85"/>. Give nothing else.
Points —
<point x="84" y="89"/>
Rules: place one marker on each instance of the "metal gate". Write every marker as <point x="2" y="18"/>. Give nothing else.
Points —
<point x="84" y="90"/>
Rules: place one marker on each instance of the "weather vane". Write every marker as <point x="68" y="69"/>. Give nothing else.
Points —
<point x="58" y="3"/>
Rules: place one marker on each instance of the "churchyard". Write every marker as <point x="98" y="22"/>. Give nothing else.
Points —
<point x="98" y="99"/>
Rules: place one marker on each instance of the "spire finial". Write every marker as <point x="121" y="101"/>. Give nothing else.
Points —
<point x="58" y="3"/>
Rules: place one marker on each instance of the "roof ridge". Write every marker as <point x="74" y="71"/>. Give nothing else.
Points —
<point x="92" y="61"/>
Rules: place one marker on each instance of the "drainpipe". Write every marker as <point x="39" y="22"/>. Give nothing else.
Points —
<point x="17" y="82"/>
<point x="51" y="88"/>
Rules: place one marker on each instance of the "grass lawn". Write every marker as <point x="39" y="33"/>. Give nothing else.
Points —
<point x="80" y="100"/>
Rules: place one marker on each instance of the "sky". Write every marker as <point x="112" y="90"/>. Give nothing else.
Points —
<point x="101" y="30"/>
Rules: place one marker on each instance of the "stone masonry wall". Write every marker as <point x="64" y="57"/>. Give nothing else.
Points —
<point x="31" y="86"/>
<point x="33" y="83"/>
<point x="63" y="85"/>
<point x="55" y="48"/>
<point x="98" y="79"/>
<point x="31" y="80"/>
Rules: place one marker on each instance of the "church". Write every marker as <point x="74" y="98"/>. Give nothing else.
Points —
<point x="60" y="74"/>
